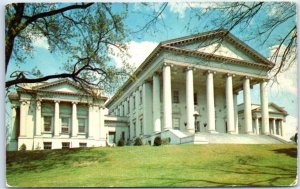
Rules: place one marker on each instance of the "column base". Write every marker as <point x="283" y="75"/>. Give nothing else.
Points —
<point x="250" y="133"/>
<point x="267" y="133"/>
<point x="232" y="132"/>
<point x="213" y="132"/>
<point x="192" y="131"/>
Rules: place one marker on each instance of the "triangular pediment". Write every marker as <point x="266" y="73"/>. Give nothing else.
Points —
<point x="65" y="86"/>
<point x="276" y="109"/>
<point x="219" y="43"/>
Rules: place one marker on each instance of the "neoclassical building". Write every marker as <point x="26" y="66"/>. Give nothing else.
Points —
<point x="190" y="85"/>
<point x="186" y="87"/>
<point x="277" y="116"/>
<point x="56" y="115"/>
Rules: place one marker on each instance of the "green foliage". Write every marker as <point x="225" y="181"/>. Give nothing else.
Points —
<point x="84" y="33"/>
<point x="138" y="142"/>
<point x="22" y="148"/>
<point x="165" y="141"/>
<point x="157" y="141"/>
<point x="121" y="142"/>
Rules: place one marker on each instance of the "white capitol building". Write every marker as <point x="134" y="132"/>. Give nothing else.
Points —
<point x="186" y="90"/>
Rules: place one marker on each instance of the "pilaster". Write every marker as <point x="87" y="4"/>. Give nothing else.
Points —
<point x="156" y="103"/>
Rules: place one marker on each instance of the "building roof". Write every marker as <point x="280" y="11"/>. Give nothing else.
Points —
<point x="43" y="86"/>
<point x="257" y="108"/>
<point x="170" y="45"/>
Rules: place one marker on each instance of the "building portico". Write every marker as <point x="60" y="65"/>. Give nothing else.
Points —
<point x="195" y="91"/>
<point x="186" y="89"/>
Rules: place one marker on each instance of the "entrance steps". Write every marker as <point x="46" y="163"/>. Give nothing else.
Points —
<point x="180" y="137"/>
<point x="224" y="138"/>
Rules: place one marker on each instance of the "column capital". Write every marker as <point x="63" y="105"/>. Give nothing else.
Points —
<point x="247" y="77"/>
<point x="229" y="74"/>
<point x="165" y="64"/>
<point x="24" y="102"/>
<point x="74" y="102"/>
<point x="38" y="104"/>
<point x="56" y="101"/>
<point x="189" y="68"/>
<point x="13" y="106"/>
<point x="210" y="71"/>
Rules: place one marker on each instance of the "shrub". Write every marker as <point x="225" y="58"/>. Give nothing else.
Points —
<point x="165" y="141"/>
<point x="157" y="141"/>
<point x="121" y="142"/>
<point x="22" y="147"/>
<point x="138" y="142"/>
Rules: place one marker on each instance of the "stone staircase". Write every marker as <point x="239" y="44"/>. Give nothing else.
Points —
<point x="224" y="138"/>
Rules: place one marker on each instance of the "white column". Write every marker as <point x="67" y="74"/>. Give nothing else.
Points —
<point x="56" y="119"/>
<point x="147" y="108"/>
<point x="156" y="103"/>
<point x="236" y="115"/>
<point x="229" y="104"/>
<point x="257" y="125"/>
<point x="264" y="107"/>
<point x="167" y="97"/>
<point x="23" y="117"/>
<point x="190" y="101"/>
<point x="247" y="106"/>
<point x="103" y="130"/>
<point x="274" y="127"/>
<point x="74" y="119"/>
<point x="14" y="123"/>
<point x="90" y="121"/>
<point x="210" y="102"/>
<point x="38" y="118"/>
<point x="121" y="109"/>
<point x="281" y="128"/>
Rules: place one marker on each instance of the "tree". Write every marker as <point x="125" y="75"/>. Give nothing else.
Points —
<point x="84" y="32"/>
<point x="269" y="24"/>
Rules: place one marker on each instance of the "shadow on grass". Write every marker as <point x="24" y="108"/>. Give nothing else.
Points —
<point x="44" y="160"/>
<point x="292" y="152"/>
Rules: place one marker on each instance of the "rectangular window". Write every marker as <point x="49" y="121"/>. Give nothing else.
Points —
<point x="128" y="106"/>
<point x="65" y="124"/>
<point x="47" y="123"/>
<point x="112" y="137"/>
<point x="176" y="123"/>
<point x="82" y="145"/>
<point x="133" y="98"/>
<point x="82" y="125"/>
<point x="123" y="135"/>
<point x="65" y="145"/>
<point x="134" y="129"/>
<point x="141" y="96"/>
<point x="47" y="145"/>
<point x="195" y="99"/>
<point x="176" y="97"/>
<point x="141" y="125"/>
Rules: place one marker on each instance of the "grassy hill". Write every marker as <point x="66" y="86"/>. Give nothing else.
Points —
<point x="172" y="165"/>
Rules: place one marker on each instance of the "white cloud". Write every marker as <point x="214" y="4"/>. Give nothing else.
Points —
<point x="290" y="127"/>
<point x="40" y="42"/>
<point x="137" y="51"/>
<point x="287" y="79"/>
<point x="180" y="7"/>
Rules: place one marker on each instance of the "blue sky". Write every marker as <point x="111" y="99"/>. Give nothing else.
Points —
<point x="172" y="24"/>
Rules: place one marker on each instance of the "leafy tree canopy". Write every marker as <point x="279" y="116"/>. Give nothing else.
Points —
<point x="84" y="32"/>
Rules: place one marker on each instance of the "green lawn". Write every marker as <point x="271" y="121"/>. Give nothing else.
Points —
<point x="172" y="165"/>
